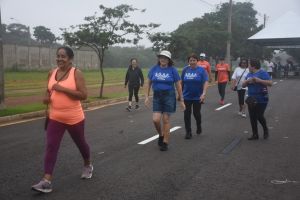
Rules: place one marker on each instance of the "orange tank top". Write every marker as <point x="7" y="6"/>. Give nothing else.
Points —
<point x="63" y="108"/>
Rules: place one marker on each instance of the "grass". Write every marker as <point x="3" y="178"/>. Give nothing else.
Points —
<point x="23" y="84"/>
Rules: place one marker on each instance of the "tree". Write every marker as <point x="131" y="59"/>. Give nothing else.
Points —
<point x="43" y="35"/>
<point x="209" y="33"/>
<point x="101" y="32"/>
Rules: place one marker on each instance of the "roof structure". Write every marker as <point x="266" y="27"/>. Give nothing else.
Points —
<point x="282" y="33"/>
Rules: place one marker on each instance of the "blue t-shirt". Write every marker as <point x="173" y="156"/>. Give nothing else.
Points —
<point x="163" y="78"/>
<point x="257" y="90"/>
<point x="193" y="81"/>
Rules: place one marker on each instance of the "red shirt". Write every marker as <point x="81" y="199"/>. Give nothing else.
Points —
<point x="223" y="70"/>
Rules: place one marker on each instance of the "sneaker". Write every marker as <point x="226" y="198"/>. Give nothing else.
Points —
<point x="160" y="140"/>
<point x="87" y="172"/>
<point x="266" y="134"/>
<point x="199" y="130"/>
<point x="221" y="102"/>
<point x="44" y="186"/>
<point x="244" y="115"/>
<point x="188" y="135"/>
<point x="137" y="107"/>
<point x="128" y="108"/>
<point x="164" y="147"/>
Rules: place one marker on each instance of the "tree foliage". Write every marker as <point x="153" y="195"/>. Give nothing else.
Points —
<point x="111" y="27"/>
<point x="44" y="35"/>
<point x="209" y="33"/>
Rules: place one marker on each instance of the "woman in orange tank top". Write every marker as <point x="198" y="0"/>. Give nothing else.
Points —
<point x="66" y="88"/>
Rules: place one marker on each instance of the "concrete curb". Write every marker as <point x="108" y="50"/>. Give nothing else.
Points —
<point x="41" y="113"/>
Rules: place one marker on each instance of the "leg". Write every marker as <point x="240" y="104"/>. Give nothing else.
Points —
<point x="197" y="115"/>
<point x="262" y="120"/>
<point x="223" y="87"/>
<point x="166" y="127"/>
<point x="55" y="133"/>
<point x="136" y="94"/>
<point x="187" y="116"/>
<point x="253" y="121"/>
<point x="130" y="90"/>
<point x="220" y="89"/>
<point x="76" y="132"/>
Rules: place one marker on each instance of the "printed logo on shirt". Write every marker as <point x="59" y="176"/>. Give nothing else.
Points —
<point x="162" y="76"/>
<point x="190" y="76"/>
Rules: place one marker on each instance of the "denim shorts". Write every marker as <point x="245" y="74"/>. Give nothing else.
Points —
<point x="164" y="101"/>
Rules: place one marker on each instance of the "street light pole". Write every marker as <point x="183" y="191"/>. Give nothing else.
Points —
<point x="228" y="45"/>
<point x="2" y="106"/>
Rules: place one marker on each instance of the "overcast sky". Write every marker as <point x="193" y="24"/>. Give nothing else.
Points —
<point x="55" y="14"/>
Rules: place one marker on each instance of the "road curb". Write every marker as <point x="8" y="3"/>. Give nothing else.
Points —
<point x="41" y="113"/>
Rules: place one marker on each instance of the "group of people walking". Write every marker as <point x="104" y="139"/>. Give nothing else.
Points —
<point x="66" y="88"/>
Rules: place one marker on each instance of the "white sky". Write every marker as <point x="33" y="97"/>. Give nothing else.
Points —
<point x="55" y="14"/>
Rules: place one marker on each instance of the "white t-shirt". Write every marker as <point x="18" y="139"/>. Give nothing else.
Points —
<point x="238" y="72"/>
<point x="270" y="67"/>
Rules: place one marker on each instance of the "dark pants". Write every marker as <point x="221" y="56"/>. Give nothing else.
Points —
<point x="256" y="113"/>
<point x="133" y="90"/>
<point x="55" y="132"/>
<point x="187" y="114"/>
<point x="221" y="88"/>
<point x="241" y="96"/>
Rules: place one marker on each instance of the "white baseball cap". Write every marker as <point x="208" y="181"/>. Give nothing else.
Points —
<point x="202" y="55"/>
<point x="165" y="53"/>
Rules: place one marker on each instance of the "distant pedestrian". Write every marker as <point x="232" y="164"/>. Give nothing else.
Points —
<point x="270" y="67"/>
<point x="205" y="64"/>
<point x="135" y="79"/>
<point x="66" y="87"/>
<point x="222" y="76"/>
<point x="237" y="79"/>
<point x="257" y="81"/>
<point x="194" y="83"/>
<point x="162" y="77"/>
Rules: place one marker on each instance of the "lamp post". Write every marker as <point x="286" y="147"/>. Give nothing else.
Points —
<point x="2" y="106"/>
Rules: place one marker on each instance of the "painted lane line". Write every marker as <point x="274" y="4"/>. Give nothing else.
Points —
<point x="156" y="136"/>
<point x="231" y="146"/>
<point x="274" y="83"/>
<point x="226" y="105"/>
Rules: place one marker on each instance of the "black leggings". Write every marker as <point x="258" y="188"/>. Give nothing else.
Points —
<point x="256" y="113"/>
<point x="133" y="90"/>
<point x="241" y="96"/>
<point x="188" y="111"/>
<point x="221" y="88"/>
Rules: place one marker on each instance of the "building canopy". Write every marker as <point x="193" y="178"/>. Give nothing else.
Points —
<point x="282" y="33"/>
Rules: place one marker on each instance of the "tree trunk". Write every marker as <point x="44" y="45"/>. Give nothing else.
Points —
<point x="101" y="56"/>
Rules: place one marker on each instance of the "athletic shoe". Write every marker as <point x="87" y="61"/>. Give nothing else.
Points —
<point x="128" y="108"/>
<point x="266" y="134"/>
<point x="87" y="172"/>
<point x="199" y="130"/>
<point x="137" y="107"/>
<point x="188" y="135"/>
<point x="160" y="140"/>
<point x="244" y="115"/>
<point x="221" y="102"/>
<point x="164" y="147"/>
<point x="44" y="186"/>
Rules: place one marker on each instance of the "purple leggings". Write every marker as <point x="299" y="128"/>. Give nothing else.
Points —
<point x="55" y="132"/>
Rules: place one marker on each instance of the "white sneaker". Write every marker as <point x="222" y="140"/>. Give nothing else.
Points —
<point x="87" y="172"/>
<point x="244" y="115"/>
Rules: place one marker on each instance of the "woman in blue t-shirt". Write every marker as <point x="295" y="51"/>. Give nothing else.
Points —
<point x="257" y="81"/>
<point x="162" y="77"/>
<point x="194" y="84"/>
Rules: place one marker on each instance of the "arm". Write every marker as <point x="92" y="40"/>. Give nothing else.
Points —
<point x="126" y="79"/>
<point x="141" y="77"/>
<point x="147" y="92"/>
<point x="216" y="75"/>
<point x="203" y="95"/>
<point x="81" y="91"/>
<point x="180" y="97"/>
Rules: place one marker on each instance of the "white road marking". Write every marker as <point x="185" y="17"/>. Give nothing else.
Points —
<point x="226" y="105"/>
<point x="274" y="83"/>
<point x="156" y="136"/>
<point x="278" y="182"/>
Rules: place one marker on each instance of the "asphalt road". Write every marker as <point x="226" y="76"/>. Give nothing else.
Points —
<point x="218" y="164"/>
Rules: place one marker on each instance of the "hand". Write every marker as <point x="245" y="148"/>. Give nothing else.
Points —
<point x="147" y="102"/>
<point x="58" y="87"/>
<point x="202" y="97"/>
<point x="182" y="105"/>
